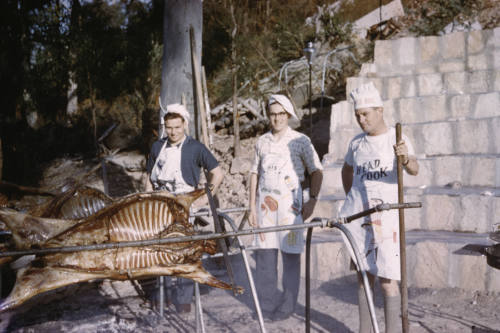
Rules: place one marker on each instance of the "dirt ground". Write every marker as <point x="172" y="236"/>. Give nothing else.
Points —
<point x="117" y="307"/>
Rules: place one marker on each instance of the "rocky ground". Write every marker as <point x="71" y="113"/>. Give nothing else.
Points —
<point x="117" y="307"/>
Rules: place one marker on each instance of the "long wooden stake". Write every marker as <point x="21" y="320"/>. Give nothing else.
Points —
<point x="198" y="90"/>
<point x="402" y="240"/>
<point x="207" y="106"/>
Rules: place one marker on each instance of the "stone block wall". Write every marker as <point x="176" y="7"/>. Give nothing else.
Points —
<point x="445" y="91"/>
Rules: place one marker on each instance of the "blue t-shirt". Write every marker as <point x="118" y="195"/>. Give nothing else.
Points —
<point x="194" y="156"/>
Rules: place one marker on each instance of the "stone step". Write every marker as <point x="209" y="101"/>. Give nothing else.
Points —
<point x="459" y="51"/>
<point x="433" y="84"/>
<point x="466" y="170"/>
<point x="434" y="260"/>
<point x="463" y="209"/>
<point x="432" y="138"/>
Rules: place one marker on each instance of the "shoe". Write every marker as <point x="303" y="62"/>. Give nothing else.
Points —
<point x="183" y="308"/>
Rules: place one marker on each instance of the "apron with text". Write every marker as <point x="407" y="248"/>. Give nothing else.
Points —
<point x="279" y="200"/>
<point x="377" y="235"/>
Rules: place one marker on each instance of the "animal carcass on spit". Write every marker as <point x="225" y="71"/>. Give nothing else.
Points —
<point x="136" y="217"/>
<point x="73" y="204"/>
<point x="76" y="203"/>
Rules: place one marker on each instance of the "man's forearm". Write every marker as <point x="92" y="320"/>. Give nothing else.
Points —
<point x="215" y="178"/>
<point x="316" y="181"/>
<point x="412" y="165"/>
<point x="253" y="190"/>
<point x="347" y="177"/>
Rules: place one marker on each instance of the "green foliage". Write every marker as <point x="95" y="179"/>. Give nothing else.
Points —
<point x="268" y="33"/>
<point x="335" y="29"/>
<point x="434" y="15"/>
<point x="111" y="49"/>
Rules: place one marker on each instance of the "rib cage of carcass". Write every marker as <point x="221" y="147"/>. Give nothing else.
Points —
<point x="139" y="216"/>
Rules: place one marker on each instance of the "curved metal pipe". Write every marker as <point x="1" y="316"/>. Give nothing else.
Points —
<point x="362" y="270"/>
<point x="308" y="280"/>
<point x="368" y="292"/>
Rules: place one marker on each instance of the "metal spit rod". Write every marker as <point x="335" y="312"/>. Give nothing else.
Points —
<point x="170" y="240"/>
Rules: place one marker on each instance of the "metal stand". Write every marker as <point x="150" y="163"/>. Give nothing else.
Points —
<point x="200" y="324"/>
<point x="249" y="274"/>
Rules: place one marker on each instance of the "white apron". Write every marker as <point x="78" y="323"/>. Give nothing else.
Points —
<point x="279" y="201"/>
<point x="377" y="235"/>
<point x="167" y="173"/>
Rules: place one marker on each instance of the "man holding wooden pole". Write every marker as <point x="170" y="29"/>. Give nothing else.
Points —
<point x="369" y="177"/>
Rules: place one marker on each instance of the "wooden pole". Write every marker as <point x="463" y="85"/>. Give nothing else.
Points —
<point x="234" y="73"/>
<point x="207" y="105"/>
<point x="402" y="239"/>
<point x="200" y="104"/>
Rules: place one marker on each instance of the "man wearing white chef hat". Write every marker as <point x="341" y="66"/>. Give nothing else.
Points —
<point x="174" y="165"/>
<point x="369" y="177"/>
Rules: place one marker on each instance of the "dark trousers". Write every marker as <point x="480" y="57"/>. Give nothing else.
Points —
<point x="266" y="279"/>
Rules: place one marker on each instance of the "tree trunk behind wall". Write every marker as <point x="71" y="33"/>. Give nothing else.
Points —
<point x="177" y="78"/>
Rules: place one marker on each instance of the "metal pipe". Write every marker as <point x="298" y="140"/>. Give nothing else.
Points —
<point x="161" y="281"/>
<point x="170" y="240"/>
<point x="362" y="270"/>
<point x="310" y="101"/>
<point x="200" y="325"/>
<point x="249" y="274"/>
<point x="308" y="279"/>
<point x="227" y="210"/>
<point x="323" y="73"/>
<point x="381" y="207"/>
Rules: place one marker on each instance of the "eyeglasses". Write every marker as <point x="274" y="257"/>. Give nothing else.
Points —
<point x="278" y="115"/>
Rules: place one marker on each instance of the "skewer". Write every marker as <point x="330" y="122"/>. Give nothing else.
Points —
<point x="162" y="241"/>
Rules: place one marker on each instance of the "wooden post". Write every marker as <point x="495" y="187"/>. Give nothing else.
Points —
<point x="200" y="105"/>
<point x="234" y="72"/>
<point x="207" y="105"/>
<point x="402" y="239"/>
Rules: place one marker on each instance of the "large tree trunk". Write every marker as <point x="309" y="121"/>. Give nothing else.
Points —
<point x="179" y="15"/>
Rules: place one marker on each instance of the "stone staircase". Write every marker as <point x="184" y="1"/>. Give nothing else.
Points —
<point x="445" y="91"/>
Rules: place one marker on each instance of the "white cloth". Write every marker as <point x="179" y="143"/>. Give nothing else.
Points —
<point x="366" y="96"/>
<point x="280" y="165"/>
<point x="174" y="108"/>
<point x="375" y="181"/>
<point x="284" y="102"/>
<point x="167" y="172"/>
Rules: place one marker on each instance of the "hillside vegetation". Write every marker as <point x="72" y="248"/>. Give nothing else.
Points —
<point x="111" y="53"/>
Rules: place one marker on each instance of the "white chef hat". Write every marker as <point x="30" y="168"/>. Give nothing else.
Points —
<point x="175" y="108"/>
<point x="366" y="96"/>
<point x="284" y="102"/>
